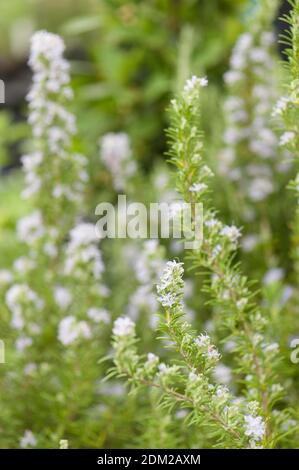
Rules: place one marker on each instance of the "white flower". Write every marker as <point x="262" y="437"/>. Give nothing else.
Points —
<point x="50" y="249"/>
<point x="260" y="188"/>
<point x="31" y="161"/>
<point x="123" y="326"/>
<point x="5" y="277"/>
<point x="203" y="340"/>
<point x="222" y="374"/>
<point x="259" y="55"/>
<point x="181" y="414"/>
<point x="289" y="423"/>
<point x="167" y="300"/>
<point x="99" y="315"/>
<point x="254" y="427"/>
<point x="63" y="297"/>
<point x="287" y="137"/>
<point x="273" y="275"/>
<point x="273" y="347"/>
<point x="143" y="299"/>
<point x="222" y="392"/>
<point x="83" y="234"/>
<point x="287" y="293"/>
<point x="233" y="103"/>
<point x="50" y="75"/>
<point x="173" y="269"/>
<point x="193" y="82"/>
<point x="232" y="76"/>
<point x="116" y="155"/>
<point x="203" y="81"/>
<point x="267" y="38"/>
<point x="244" y="42"/>
<point x="164" y="369"/>
<point x="23" y="342"/>
<point x="45" y="44"/>
<point x="30" y="228"/>
<point x="281" y="106"/>
<point x="30" y="368"/>
<point x="229" y="346"/>
<point x="233" y="135"/>
<point x="69" y="330"/>
<point x="150" y="246"/>
<point x="198" y="187"/>
<point x="170" y="289"/>
<point x="23" y="264"/>
<point x="17" y="297"/>
<point x="152" y="358"/>
<point x="212" y="223"/>
<point x="115" y="147"/>
<point x="63" y="444"/>
<point x="231" y="232"/>
<point x="116" y="389"/>
<point x="82" y="252"/>
<point x="249" y="242"/>
<point x="148" y="264"/>
<point x="51" y="122"/>
<point x="28" y="439"/>
<point x="192" y="377"/>
<point x="242" y="303"/>
<point x="213" y="354"/>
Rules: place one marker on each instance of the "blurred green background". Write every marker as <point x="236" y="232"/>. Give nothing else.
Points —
<point x="127" y="60"/>
<point x="127" y="57"/>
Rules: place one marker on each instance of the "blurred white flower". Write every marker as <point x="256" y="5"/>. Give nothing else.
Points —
<point x="222" y="374"/>
<point x="30" y="228"/>
<point x="99" y="315"/>
<point x="116" y="154"/>
<point x="254" y="427"/>
<point x="70" y="329"/>
<point x="28" y="439"/>
<point x="63" y="297"/>
<point x="194" y="81"/>
<point x="123" y="326"/>
<point x="273" y="275"/>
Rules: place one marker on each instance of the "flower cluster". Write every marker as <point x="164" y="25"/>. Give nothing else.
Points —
<point x="24" y="305"/>
<point x="53" y="294"/>
<point x="251" y="94"/>
<point x="69" y="330"/>
<point x="254" y="427"/>
<point x="53" y="128"/>
<point x="123" y="326"/>
<point x="116" y="154"/>
<point x="31" y="228"/>
<point x="186" y="385"/>
<point x="147" y="264"/>
<point x="229" y="290"/>
<point x="82" y="253"/>
<point x="170" y="288"/>
<point x="28" y="440"/>
<point x="193" y="82"/>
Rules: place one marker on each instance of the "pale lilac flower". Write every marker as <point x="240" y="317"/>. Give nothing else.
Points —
<point x="28" y="439"/>
<point x="123" y="326"/>
<point x="254" y="427"/>
<point x="193" y="82"/>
